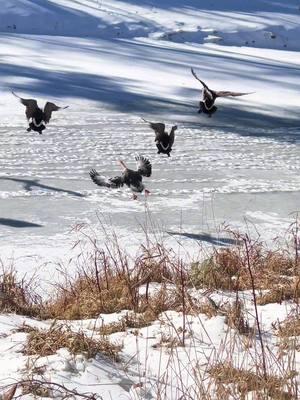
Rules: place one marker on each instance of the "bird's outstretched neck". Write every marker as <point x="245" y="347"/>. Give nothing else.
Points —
<point x="15" y="94"/>
<point x="122" y="164"/>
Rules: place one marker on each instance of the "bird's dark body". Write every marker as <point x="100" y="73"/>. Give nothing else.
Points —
<point x="38" y="118"/>
<point x="163" y="144"/>
<point x="204" y="108"/>
<point x="36" y="123"/>
<point x="133" y="180"/>
<point x="209" y="96"/>
<point x="38" y="129"/>
<point x="163" y="140"/>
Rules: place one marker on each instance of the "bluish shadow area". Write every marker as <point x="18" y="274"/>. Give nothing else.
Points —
<point x="125" y="95"/>
<point x="205" y="237"/>
<point x="30" y="184"/>
<point x="220" y="5"/>
<point x="248" y="122"/>
<point x="16" y="223"/>
<point x="118" y="94"/>
<point x="61" y="20"/>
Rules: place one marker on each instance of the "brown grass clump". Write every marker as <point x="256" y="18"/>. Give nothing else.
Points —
<point x="87" y="297"/>
<point x="18" y="296"/>
<point x="235" y="318"/>
<point x="46" y="342"/>
<point x="288" y="332"/>
<point x="289" y="327"/>
<point x="106" y="282"/>
<point x="281" y="291"/>
<point x="36" y="389"/>
<point x="129" y="321"/>
<point x="234" y="381"/>
<point x="228" y="269"/>
<point x="220" y="271"/>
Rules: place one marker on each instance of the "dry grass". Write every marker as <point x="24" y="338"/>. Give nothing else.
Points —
<point x="289" y="327"/>
<point x="288" y="332"/>
<point x="281" y="291"/>
<point x="46" y="342"/>
<point x="108" y="282"/>
<point x="234" y="381"/>
<point x="227" y="269"/>
<point x="236" y="318"/>
<point x="129" y="321"/>
<point x="18" y="296"/>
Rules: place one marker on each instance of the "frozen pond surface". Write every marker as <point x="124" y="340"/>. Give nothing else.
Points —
<point x="214" y="176"/>
<point x="239" y="168"/>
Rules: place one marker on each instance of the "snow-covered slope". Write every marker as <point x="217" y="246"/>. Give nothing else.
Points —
<point x="255" y="23"/>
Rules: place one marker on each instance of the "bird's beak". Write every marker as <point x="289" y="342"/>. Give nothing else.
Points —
<point x="147" y="192"/>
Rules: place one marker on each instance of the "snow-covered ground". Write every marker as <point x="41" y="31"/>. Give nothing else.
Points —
<point x="114" y="62"/>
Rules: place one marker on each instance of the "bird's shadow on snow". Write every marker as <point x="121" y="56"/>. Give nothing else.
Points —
<point x="16" y="223"/>
<point x="206" y="237"/>
<point x="30" y="184"/>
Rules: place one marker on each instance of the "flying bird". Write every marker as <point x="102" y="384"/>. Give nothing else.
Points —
<point x="164" y="141"/>
<point x="209" y="96"/>
<point x="132" y="179"/>
<point x="35" y="115"/>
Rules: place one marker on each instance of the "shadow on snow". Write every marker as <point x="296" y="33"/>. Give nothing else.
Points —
<point x="30" y="184"/>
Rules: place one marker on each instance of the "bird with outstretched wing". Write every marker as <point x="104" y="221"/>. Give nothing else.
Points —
<point x="164" y="140"/>
<point x="36" y="115"/>
<point x="130" y="178"/>
<point x="209" y="96"/>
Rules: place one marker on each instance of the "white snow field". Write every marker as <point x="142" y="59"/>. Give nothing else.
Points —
<point x="114" y="62"/>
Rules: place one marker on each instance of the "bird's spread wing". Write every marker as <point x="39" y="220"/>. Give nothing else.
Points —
<point x="113" y="183"/>
<point x="144" y="166"/>
<point x="49" y="108"/>
<point x="30" y="104"/>
<point x="228" y="94"/>
<point x="196" y="77"/>
<point x="172" y="137"/>
<point x="207" y="92"/>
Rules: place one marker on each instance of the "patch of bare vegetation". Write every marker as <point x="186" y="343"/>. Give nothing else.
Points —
<point x="232" y="381"/>
<point x="288" y="332"/>
<point x="107" y="281"/>
<point x="36" y="388"/>
<point x="46" y="342"/>
<point x="275" y="273"/>
<point x="19" y="296"/>
<point x="236" y="318"/>
<point x="129" y="321"/>
<point x="227" y="269"/>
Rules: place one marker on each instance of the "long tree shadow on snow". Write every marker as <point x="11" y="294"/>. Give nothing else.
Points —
<point x="205" y="237"/>
<point x="228" y="5"/>
<point x="119" y="94"/>
<point x="17" y="223"/>
<point x="30" y="184"/>
<point x="123" y="95"/>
